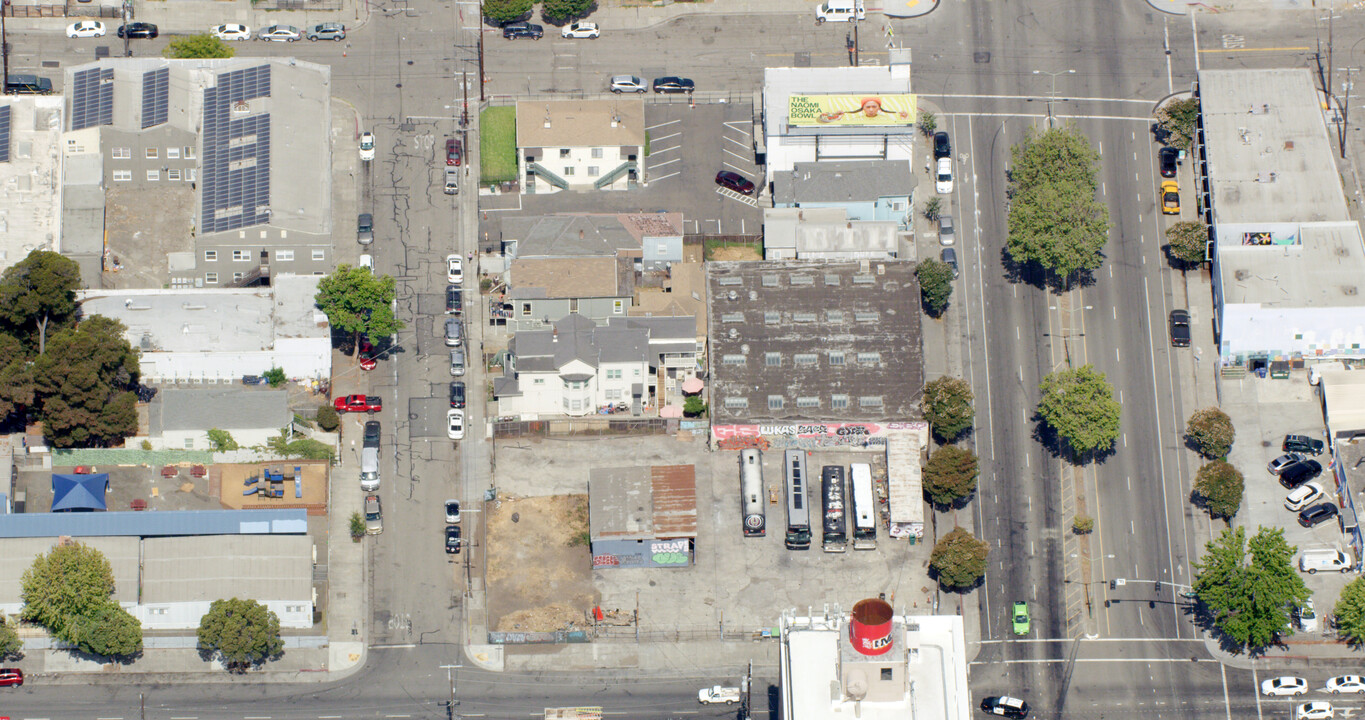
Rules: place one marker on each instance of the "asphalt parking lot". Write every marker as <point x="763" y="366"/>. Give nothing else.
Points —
<point x="1263" y="411"/>
<point x="753" y="579"/>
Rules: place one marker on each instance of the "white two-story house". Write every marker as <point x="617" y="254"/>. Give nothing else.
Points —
<point x="578" y="367"/>
<point x="579" y="144"/>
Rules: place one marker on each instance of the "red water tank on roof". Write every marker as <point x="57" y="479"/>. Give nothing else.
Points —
<point x="869" y="627"/>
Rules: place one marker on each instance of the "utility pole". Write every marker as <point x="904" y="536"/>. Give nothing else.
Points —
<point x="746" y="701"/>
<point x="482" y="99"/>
<point x="4" y="43"/>
<point x="127" y="36"/>
<point x="453" y="701"/>
<point x="464" y="114"/>
<point x="1343" y="125"/>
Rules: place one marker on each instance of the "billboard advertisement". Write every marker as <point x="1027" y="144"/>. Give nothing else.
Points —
<point x="861" y="110"/>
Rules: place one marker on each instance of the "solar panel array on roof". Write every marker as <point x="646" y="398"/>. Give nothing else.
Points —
<point x="92" y="98"/>
<point x="236" y="154"/>
<point x="155" y="97"/>
<point x="4" y="133"/>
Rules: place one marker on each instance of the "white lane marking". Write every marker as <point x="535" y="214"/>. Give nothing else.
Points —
<point x="664" y="124"/>
<point x="663" y="138"/>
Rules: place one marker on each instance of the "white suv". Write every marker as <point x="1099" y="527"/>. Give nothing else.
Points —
<point x="627" y="83"/>
<point x="943" y="181"/>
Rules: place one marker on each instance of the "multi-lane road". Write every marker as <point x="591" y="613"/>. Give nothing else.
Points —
<point x="989" y="67"/>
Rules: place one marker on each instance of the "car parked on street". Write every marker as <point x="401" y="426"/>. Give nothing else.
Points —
<point x="452" y="512"/>
<point x="1302" y="444"/>
<point x="942" y="147"/>
<point x="1302" y="496"/>
<point x="138" y="31"/>
<point x="327" y="31"/>
<point x="949" y="256"/>
<point x="1283" y="461"/>
<point x="454" y="151"/>
<point x="1284" y="686"/>
<point x="457" y="394"/>
<point x="454" y="332"/>
<point x="1345" y="684"/>
<point x="457" y="362"/>
<point x="374" y="515"/>
<point x="367" y="146"/>
<point x="11" y="677"/>
<point x="454" y="300"/>
<point x="452" y="539"/>
<point x="452" y="184"/>
<point x="1170" y="198"/>
<point x="627" y="83"/>
<point x="1180" y="328"/>
<point x="1167" y="157"/>
<point x="454" y="269"/>
<point x="280" y="33"/>
<point x="946" y="232"/>
<point x="231" y="31"/>
<point x="1005" y="706"/>
<point x="515" y="30"/>
<point x="1317" y="514"/>
<point x="371" y="434"/>
<point x="735" y="181"/>
<point x="673" y="84"/>
<point x="580" y="30"/>
<point x="85" y="29"/>
<point x="943" y="179"/>
<point x="358" y="403"/>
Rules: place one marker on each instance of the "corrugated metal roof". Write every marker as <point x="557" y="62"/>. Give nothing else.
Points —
<point x="16" y="556"/>
<point x="675" y="500"/>
<point x="156" y="523"/>
<point x="198" y="569"/>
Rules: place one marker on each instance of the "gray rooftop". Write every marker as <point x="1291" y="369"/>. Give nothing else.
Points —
<point x="779" y="84"/>
<point x="843" y="181"/>
<point x="31" y="166"/>
<point x="1270" y="157"/>
<point x="799" y="333"/>
<point x="564" y="236"/>
<point x="1325" y="269"/>
<point x="575" y="337"/>
<point x="17" y="555"/>
<point x="204" y="569"/>
<point x="222" y="408"/>
<point x="157" y="523"/>
<point x="208" y="320"/>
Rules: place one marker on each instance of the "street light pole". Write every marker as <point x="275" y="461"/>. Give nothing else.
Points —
<point x="1053" y="95"/>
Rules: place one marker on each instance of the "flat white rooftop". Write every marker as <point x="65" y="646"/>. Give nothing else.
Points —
<point x="30" y="186"/>
<point x="1324" y="269"/>
<point x="1270" y="156"/>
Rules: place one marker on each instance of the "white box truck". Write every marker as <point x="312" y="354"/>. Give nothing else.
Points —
<point x="840" y="11"/>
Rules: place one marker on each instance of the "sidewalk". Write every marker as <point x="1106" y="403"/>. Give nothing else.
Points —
<point x="615" y="14"/>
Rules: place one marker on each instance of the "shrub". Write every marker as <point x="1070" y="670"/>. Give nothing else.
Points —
<point x="328" y="419"/>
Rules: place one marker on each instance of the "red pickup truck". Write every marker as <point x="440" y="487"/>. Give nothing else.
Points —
<point x="358" y="403"/>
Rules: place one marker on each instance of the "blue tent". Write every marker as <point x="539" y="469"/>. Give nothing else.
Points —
<point x="79" y="492"/>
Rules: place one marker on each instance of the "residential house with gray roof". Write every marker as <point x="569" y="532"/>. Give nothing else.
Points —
<point x="577" y="366"/>
<point x="867" y="190"/>
<point x="542" y="290"/>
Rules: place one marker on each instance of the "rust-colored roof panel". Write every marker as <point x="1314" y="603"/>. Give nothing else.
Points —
<point x="675" y="500"/>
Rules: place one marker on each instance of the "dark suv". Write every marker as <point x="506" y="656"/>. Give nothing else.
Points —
<point x="371" y="434"/>
<point x="454" y="301"/>
<point x="1320" y="513"/>
<point x="1303" y="444"/>
<point x="1296" y="474"/>
<point x="457" y="394"/>
<point x="523" y="29"/>
<point x="27" y="85"/>
<point x="1180" y="328"/>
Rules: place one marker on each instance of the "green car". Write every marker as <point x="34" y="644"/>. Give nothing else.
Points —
<point x="1021" y="621"/>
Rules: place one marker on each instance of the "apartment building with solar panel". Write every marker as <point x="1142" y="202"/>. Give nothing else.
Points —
<point x="197" y="173"/>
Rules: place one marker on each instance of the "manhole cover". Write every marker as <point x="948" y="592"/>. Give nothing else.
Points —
<point x="802" y="59"/>
<point x="981" y="58"/>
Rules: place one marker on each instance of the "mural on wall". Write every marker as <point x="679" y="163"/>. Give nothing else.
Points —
<point x="808" y="436"/>
<point x="662" y="553"/>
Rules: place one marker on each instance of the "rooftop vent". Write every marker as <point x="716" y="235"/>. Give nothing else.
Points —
<point x="1348" y="290"/>
<point x="1242" y="275"/>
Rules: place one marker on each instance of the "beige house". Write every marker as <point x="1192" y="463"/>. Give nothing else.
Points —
<point x="580" y="144"/>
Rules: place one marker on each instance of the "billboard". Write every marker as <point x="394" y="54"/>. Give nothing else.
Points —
<point x="862" y="110"/>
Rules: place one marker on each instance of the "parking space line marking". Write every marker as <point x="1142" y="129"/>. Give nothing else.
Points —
<point x="730" y="139"/>
<point x="728" y="151"/>
<point x="735" y="168"/>
<point x="665" y="177"/>
<point x="651" y="166"/>
<point x="662" y="124"/>
<point x="663" y="138"/>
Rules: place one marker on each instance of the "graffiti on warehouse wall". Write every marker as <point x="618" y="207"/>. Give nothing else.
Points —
<point x="808" y="436"/>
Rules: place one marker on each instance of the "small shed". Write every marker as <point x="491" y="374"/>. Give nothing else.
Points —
<point x="79" y="493"/>
<point x="643" y="516"/>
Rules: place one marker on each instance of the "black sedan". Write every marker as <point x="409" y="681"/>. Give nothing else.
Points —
<point x="454" y="300"/>
<point x="138" y="30"/>
<point x="673" y="84"/>
<point x="523" y="29"/>
<point x="1168" y="156"/>
<point x="1180" y="328"/>
<point x="1320" y="513"/>
<point x="453" y="539"/>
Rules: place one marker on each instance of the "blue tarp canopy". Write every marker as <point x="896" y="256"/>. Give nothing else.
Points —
<point x="79" y="492"/>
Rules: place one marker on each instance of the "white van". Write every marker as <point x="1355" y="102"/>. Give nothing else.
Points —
<point x="369" y="469"/>
<point x="1311" y="561"/>
<point x="840" y="11"/>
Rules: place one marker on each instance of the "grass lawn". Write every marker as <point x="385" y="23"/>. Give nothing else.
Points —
<point x="498" y="144"/>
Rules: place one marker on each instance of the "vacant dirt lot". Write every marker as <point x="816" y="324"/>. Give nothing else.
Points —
<point x="538" y="579"/>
